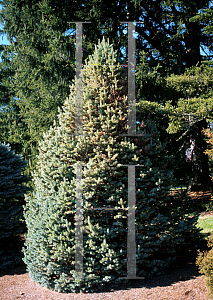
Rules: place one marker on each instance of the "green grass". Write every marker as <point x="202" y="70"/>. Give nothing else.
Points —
<point x="206" y="223"/>
<point x="178" y="188"/>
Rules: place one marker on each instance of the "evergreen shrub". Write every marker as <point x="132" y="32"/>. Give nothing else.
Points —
<point x="12" y="190"/>
<point x="205" y="263"/>
<point x="161" y="224"/>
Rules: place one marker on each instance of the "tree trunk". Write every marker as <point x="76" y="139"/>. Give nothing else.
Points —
<point x="192" y="43"/>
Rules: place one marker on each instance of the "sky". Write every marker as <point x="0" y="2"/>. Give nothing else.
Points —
<point x="3" y="38"/>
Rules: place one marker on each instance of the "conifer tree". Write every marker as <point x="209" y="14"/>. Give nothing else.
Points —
<point x="189" y="113"/>
<point x="12" y="189"/>
<point x="36" y="67"/>
<point x="161" y="225"/>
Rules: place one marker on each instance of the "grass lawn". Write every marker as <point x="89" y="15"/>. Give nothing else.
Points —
<point x="206" y="223"/>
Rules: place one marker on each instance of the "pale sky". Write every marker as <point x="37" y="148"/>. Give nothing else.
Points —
<point x="3" y="38"/>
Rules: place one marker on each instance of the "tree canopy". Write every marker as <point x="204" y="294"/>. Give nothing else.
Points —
<point x="38" y="66"/>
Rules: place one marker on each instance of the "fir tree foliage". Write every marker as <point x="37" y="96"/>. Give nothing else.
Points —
<point x="37" y="66"/>
<point x="195" y="97"/>
<point x="189" y="113"/>
<point x="161" y="225"/>
<point x="11" y="180"/>
<point x="41" y="65"/>
<point x="12" y="190"/>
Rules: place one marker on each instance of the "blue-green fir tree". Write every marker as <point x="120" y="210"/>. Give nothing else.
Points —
<point x="161" y="226"/>
<point x="12" y="190"/>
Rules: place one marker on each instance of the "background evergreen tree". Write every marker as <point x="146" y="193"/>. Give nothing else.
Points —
<point x="189" y="113"/>
<point x="41" y="66"/>
<point x="14" y="130"/>
<point x="181" y="110"/>
<point x="6" y="74"/>
<point x="161" y="225"/>
<point x="12" y="190"/>
<point x="42" y="55"/>
<point x="153" y="91"/>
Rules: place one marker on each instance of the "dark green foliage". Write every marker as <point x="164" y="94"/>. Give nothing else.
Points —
<point x="6" y="74"/>
<point x="152" y="93"/>
<point x="189" y="115"/>
<point x="181" y="110"/>
<point x="204" y="17"/>
<point x="39" y="64"/>
<point x="161" y="225"/>
<point x="14" y="130"/>
<point x="11" y="179"/>
<point x="12" y="190"/>
<point x="11" y="216"/>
